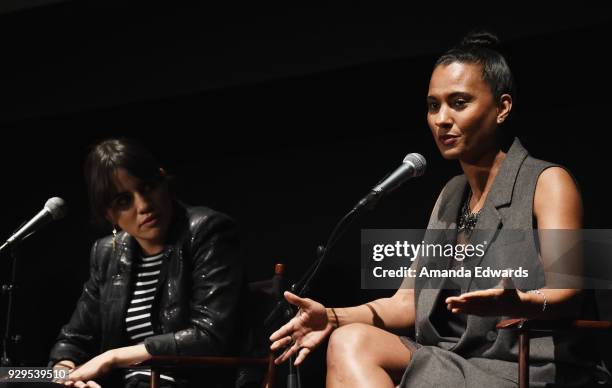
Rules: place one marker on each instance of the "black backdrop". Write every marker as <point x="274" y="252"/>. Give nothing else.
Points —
<point x="281" y="117"/>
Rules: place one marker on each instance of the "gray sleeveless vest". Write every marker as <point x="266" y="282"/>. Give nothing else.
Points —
<point x="484" y="356"/>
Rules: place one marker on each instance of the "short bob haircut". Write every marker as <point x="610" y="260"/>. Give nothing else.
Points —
<point x="101" y="165"/>
<point x="483" y="48"/>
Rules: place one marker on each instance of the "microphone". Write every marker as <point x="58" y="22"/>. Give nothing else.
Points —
<point x="55" y="209"/>
<point x="412" y="166"/>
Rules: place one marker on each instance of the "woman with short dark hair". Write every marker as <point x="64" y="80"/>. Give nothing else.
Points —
<point x="167" y="280"/>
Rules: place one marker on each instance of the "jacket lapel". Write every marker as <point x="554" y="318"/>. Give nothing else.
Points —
<point x="490" y="220"/>
<point x="442" y="229"/>
<point x="488" y="226"/>
<point x="121" y="285"/>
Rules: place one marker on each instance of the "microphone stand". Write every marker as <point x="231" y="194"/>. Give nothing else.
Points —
<point x="303" y="285"/>
<point x="10" y="339"/>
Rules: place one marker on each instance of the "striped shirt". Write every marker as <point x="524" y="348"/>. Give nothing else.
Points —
<point x="138" y="317"/>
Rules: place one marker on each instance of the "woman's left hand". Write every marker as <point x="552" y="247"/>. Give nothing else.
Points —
<point x="104" y="362"/>
<point x="502" y="300"/>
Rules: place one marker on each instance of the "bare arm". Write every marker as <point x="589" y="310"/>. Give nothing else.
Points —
<point x="557" y="205"/>
<point x="104" y="362"/>
<point x="314" y="323"/>
<point x="395" y="314"/>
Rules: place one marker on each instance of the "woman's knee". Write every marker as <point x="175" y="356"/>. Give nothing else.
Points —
<point x="350" y="339"/>
<point x="361" y="344"/>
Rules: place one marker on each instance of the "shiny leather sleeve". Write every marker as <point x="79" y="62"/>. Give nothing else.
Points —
<point x="216" y="282"/>
<point x="79" y="340"/>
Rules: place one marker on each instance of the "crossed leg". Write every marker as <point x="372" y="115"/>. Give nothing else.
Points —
<point x="360" y="355"/>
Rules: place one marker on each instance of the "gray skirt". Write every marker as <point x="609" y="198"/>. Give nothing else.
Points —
<point x="410" y="343"/>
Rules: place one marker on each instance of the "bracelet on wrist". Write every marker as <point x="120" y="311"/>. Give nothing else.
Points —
<point x="335" y="322"/>
<point x="538" y="292"/>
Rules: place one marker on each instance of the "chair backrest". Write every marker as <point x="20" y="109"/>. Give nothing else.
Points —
<point x="603" y="301"/>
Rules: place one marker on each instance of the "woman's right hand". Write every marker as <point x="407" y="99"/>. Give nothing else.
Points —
<point x="83" y="384"/>
<point x="78" y="384"/>
<point x="304" y="332"/>
<point x="67" y="364"/>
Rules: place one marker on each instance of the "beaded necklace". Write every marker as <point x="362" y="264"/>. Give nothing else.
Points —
<point x="467" y="220"/>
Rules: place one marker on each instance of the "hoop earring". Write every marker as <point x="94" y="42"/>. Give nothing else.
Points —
<point x="114" y="236"/>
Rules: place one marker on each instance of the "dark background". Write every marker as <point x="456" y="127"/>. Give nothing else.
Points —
<point x="281" y="116"/>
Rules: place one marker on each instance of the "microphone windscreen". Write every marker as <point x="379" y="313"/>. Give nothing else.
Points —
<point x="418" y="161"/>
<point x="57" y="207"/>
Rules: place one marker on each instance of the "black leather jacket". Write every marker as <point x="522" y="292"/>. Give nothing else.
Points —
<point x="196" y="301"/>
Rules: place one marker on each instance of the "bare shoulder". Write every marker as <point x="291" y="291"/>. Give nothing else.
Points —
<point x="557" y="202"/>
